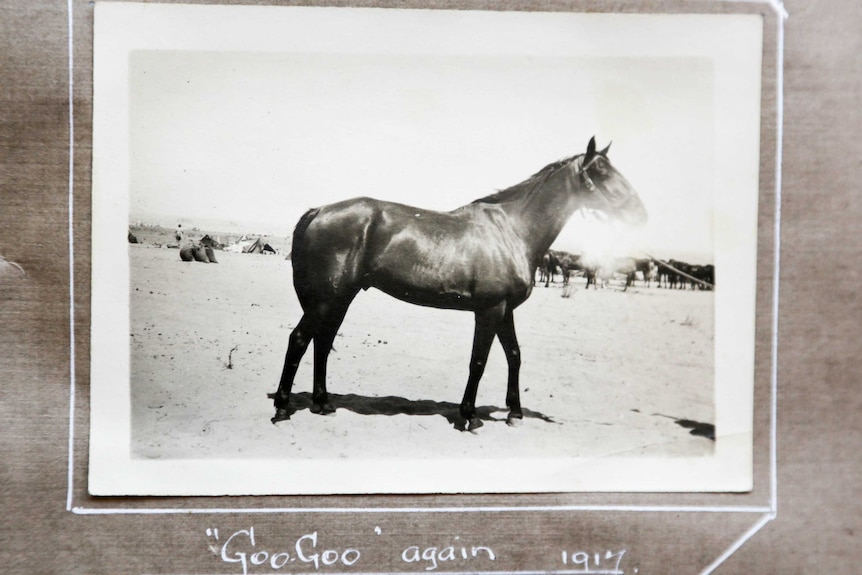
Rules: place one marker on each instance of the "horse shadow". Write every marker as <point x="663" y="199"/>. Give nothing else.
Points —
<point x="394" y="405"/>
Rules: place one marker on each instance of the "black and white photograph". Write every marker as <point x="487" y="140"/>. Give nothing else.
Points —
<point x="357" y="250"/>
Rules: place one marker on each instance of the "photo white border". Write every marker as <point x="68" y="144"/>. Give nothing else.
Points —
<point x="484" y="487"/>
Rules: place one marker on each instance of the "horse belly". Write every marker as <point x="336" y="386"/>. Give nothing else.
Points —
<point x="448" y="275"/>
<point x="419" y="279"/>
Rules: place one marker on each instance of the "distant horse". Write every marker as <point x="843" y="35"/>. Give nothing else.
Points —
<point x="707" y="276"/>
<point x="668" y="276"/>
<point x="480" y="257"/>
<point x="569" y="264"/>
<point x="627" y="267"/>
<point x="545" y="269"/>
<point x="598" y="276"/>
<point x="590" y="274"/>
<point x="652" y="273"/>
<point x="550" y="263"/>
<point x="648" y="268"/>
<point x="678" y="272"/>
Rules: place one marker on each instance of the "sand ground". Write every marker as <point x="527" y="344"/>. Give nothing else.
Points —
<point x="604" y="372"/>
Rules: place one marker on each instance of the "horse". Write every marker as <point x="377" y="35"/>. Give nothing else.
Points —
<point x="480" y="257"/>
<point x="569" y="264"/>
<point x="545" y="269"/>
<point x="647" y="267"/>
<point x="598" y="276"/>
<point x="678" y="273"/>
<point x="550" y="263"/>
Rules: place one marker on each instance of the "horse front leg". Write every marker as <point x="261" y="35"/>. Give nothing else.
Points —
<point x="509" y="341"/>
<point x="487" y="325"/>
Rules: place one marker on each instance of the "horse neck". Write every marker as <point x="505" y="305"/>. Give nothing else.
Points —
<point x="541" y="214"/>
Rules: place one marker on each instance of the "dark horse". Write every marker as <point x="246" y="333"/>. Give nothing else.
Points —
<point x="480" y="257"/>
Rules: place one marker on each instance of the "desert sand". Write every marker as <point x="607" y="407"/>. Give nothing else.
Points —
<point x="605" y="372"/>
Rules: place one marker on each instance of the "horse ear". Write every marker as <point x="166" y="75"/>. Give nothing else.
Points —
<point x="591" y="151"/>
<point x="605" y="151"/>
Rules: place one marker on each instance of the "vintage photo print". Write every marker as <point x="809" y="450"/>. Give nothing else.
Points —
<point x="344" y="250"/>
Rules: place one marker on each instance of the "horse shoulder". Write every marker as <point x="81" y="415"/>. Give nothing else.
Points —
<point x="505" y="247"/>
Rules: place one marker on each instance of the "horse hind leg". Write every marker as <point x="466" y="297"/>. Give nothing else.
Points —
<point x="332" y="317"/>
<point x="319" y="323"/>
<point x="300" y="337"/>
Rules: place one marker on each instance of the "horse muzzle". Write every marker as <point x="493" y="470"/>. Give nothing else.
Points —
<point x="632" y="211"/>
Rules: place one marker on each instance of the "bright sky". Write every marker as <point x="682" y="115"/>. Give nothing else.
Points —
<point x="254" y="139"/>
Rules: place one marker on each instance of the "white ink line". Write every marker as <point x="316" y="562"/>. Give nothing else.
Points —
<point x="70" y="471"/>
<point x="738" y="543"/>
<point x="777" y="6"/>
<point x="336" y="510"/>
<point x="779" y="152"/>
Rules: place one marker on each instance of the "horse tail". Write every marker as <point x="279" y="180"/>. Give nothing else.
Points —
<point x="302" y="225"/>
<point x="297" y="248"/>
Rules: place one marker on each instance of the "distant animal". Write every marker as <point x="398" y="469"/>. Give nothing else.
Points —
<point x="675" y="274"/>
<point x="480" y="258"/>
<point x="652" y="273"/>
<point x="628" y="268"/>
<point x="707" y="276"/>
<point x="648" y="269"/>
<point x="590" y="275"/>
<point x="542" y="268"/>
<point x="631" y="276"/>
<point x="550" y="263"/>
<point x="569" y="265"/>
<point x="669" y="276"/>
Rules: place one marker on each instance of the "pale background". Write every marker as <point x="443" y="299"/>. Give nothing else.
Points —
<point x="248" y="142"/>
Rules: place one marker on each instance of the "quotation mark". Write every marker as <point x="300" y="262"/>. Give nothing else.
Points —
<point x="212" y="532"/>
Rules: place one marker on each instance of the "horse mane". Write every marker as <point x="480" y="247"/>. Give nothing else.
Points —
<point x="524" y="188"/>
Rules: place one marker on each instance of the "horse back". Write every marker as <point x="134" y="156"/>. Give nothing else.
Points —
<point x="459" y="259"/>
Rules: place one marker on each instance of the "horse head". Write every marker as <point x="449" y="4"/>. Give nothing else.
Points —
<point x="606" y="190"/>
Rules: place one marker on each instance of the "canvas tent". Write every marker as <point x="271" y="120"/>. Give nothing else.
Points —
<point x="258" y="247"/>
<point x="248" y="246"/>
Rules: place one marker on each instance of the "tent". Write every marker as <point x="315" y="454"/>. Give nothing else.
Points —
<point x="258" y="247"/>
<point x="240" y="247"/>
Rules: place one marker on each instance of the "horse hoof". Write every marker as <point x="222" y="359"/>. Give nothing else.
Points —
<point x="514" y="420"/>
<point x="280" y="415"/>
<point x="475" y="424"/>
<point x="322" y="409"/>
